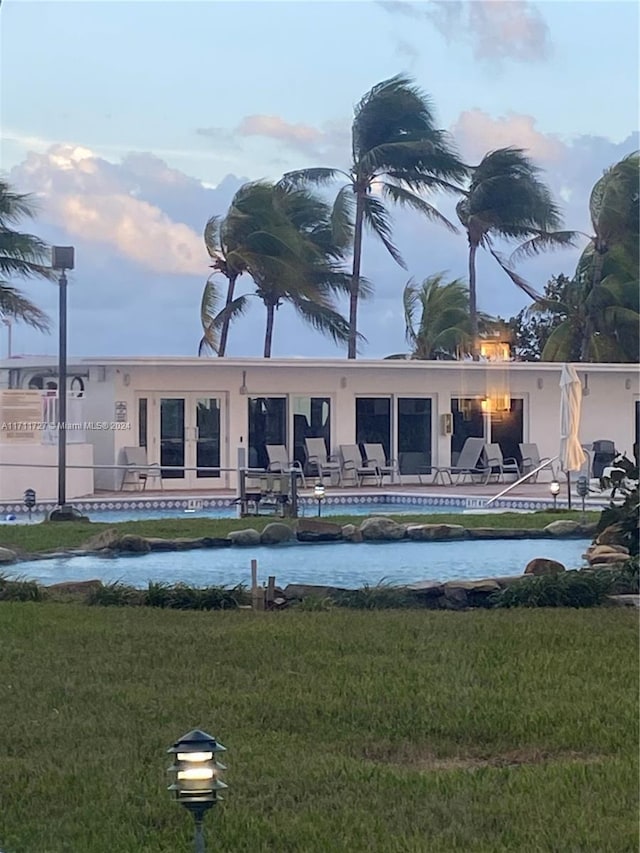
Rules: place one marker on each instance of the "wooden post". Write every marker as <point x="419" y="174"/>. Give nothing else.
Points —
<point x="257" y="593"/>
<point x="271" y="591"/>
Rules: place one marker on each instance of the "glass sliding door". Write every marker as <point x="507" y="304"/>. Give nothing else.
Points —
<point x="506" y="430"/>
<point x="414" y="435"/>
<point x="311" y="419"/>
<point x="267" y="425"/>
<point x="207" y="417"/>
<point x="373" y="422"/>
<point x="172" y="437"/>
<point x="468" y="422"/>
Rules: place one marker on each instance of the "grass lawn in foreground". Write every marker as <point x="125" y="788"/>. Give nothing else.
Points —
<point x="346" y="731"/>
<point x="44" y="536"/>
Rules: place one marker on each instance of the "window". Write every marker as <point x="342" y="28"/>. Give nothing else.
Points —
<point x="414" y="435"/>
<point x="267" y="425"/>
<point x="311" y="419"/>
<point x="142" y="422"/>
<point x="506" y="430"/>
<point x="373" y="422"/>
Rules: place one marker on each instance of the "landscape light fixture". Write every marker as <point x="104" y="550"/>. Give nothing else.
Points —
<point x="318" y="493"/>
<point x="197" y="777"/>
<point x="62" y="260"/>
<point x="29" y="501"/>
<point x="554" y="488"/>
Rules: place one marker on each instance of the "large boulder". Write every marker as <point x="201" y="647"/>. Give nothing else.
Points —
<point x="156" y="544"/>
<point x="300" y="591"/>
<point x="7" y="556"/>
<point x="609" y="559"/>
<point x="563" y="527"/>
<point x="131" y="543"/>
<point x="351" y="533"/>
<point x="427" y="589"/>
<point x="435" y="532"/>
<point x="505" y="533"/>
<point x="244" y="538"/>
<point x="380" y="528"/>
<point x="611" y="535"/>
<point x="275" y="533"/>
<point x="606" y="554"/>
<point x="73" y="589"/>
<point x="543" y="566"/>
<point x="317" y="530"/>
<point x="106" y="540"/>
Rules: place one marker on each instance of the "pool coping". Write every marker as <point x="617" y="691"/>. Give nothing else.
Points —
<point x="462" y="502"/>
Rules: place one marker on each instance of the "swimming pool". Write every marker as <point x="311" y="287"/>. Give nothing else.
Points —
<point x="339" y="564"/>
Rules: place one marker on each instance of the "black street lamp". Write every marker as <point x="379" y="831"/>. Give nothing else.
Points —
<point x="318" y="493"/>
<point x="554" y="488"/>
<point x="197" y="777"/>
<point x="62" y="259"/>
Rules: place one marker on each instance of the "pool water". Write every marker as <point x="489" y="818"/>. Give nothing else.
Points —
<point x="339" y="564"/>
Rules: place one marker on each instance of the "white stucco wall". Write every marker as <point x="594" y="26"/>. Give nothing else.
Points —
<point x="15" y="480"/>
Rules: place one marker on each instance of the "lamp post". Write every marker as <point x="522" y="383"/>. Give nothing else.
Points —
<point x="29" y="501"/>
<point x="196" y="773"/>
<point x="318" y="493"/>
<point x="62" y="259"/>
<point x="554" y="488"/>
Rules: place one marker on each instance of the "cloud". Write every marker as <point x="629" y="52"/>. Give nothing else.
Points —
<point x="295" y="135"/>
<point x="476" y="133"/>
<point x="114" y="205"/>
<point x="496" y="29"/>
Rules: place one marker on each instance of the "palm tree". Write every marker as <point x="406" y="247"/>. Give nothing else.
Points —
<point x="284" y="238"/>
<point x="397" y="152"/>
<point x="443" y="327"/>
<point x="506" y="199"/>
<point x="21" y="256"/>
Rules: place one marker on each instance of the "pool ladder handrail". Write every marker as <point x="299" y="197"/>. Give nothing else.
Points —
<point x="525" y="477"/>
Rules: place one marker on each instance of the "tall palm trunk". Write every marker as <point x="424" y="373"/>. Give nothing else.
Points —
<point x="596" y="278"/>
<point x="268" y="335"/>
<point x="473" y="304"/>
<point x="224" y="332"/>
<point x="355" y="276"/>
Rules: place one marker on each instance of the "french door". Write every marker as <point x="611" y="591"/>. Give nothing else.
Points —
<point x="186" y="440"/>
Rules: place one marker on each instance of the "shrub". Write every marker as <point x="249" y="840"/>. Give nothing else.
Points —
<point x="567" y="589"/>
<point x="20" y="590"/>
<point x="626" y="517"/>
<point x="624" y="580"/>
<point x="115" y="594"/>
<point x="184" y="597"/>
<point x="380" y="596"/>
<point x="315" y="603"/>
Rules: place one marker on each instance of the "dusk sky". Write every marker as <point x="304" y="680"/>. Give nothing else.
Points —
<point x="135" y="122"/>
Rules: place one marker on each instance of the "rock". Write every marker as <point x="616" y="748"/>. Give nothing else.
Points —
<point x="485" y="585"/>
<point x="624" y="600"/>
<point x="74" y="588"/>
<point x="316" y="530"/>
<point x="505" y="533"/>
<point x="611" y="535"/>
<point x="509" y="580"/>
<point x="215" y="542"/>
<point x="156" y="544"/>
<point x="246" y="537"/>
<point x="606" y="549"/>
<point x="66" y="513"/>
<point x="105" y="540"/>
<point x="607" y="559"/>
<point x="563" y="528"/>
<point x="382" y="529"/>
<point x="426" y="588"/>
<point x="275" y="533"/>
<point x="543" y="566"/>
<point x="435" y="532"/>
<point x="455" y="595"/>
<point x="351" y="533"/>
<point x="133" y="544"/>
<point x="7" y="556"/>
<point x="299" y="591"/>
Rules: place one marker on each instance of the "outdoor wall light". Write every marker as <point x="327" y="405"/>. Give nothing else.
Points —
<point x="29" y="500"/>
<point x="554" y="488"/>
<point x="318" y="493"/>
<point x="197" y="777"/>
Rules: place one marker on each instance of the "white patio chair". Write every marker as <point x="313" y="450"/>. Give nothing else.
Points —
<point x="326" y="466"/>
<point x="279" y="462"/>
<point x="387" y="467"/>
<point x="499" y="466"/>
<point x="138" y="471"/>
<point x="355" y="468"/>
<point x="531" y="459"/>
<point x="468" y="464"/>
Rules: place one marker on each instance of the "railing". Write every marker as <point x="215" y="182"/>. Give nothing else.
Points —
<point x="524" y="478"/>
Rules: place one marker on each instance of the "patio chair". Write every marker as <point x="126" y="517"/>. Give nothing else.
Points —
<point x="353" y="466"/>
<point x="279" y="462"/>
<point x="499" y="466"/>
<point x="531" y="459"/>
<point x="468" y="464"/>
<point x="325" y="465"/>
<point x="138" y="471"/>
<point x="376" y="456"/>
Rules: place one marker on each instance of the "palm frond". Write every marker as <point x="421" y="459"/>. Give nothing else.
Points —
<point x="541" y="242"/>
<point x="401" y="196"/>
<point x="324" y="319"/>
<point x="342" y="217"/>
<point x="15" y="305"/>
<point x="319" y="175"/>
<point x="520" y="282"/>
<point x="377" y="219"/>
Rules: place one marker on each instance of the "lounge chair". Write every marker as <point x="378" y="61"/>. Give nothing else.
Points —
<point x="468" y="464"/>
<point x="531" y="459"/>
<point x="499" y="466"/>
<point x="279" y="462"/>
<point x="138" y="470"/>
<point x="317" y="457"/>
<point x="353" y="466"/>
<point x="387" y="467"/>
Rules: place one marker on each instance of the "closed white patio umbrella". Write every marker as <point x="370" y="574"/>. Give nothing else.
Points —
<point x="572" y="456"/>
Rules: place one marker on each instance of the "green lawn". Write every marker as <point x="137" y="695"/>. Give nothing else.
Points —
<point x="346" y="731"/>
<point x="50" y="536"/>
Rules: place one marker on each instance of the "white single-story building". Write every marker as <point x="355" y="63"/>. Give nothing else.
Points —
<point x="198" y="417"/>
